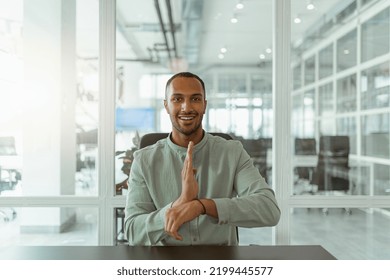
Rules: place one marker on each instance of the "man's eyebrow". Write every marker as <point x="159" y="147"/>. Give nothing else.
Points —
<point x="180" y="94"/>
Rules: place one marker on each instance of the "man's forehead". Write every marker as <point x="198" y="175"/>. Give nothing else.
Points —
<point x="180" y="85"/>
<point x="186" y="81"/>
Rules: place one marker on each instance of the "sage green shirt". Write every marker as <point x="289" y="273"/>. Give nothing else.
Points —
<point x="225" y="173"/>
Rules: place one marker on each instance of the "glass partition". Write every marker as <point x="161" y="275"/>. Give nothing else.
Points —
<point x="346" y="51"/>
<point x="325" y="58"/>
<point x="346" y="110"/>
<point x="376" y="36"/>
<point x="49" y="98"/>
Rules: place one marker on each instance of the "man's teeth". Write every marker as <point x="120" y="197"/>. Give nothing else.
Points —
<point x="186" y="118"/>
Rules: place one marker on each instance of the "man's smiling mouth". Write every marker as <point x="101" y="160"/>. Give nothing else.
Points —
<point x="186" y="118"/>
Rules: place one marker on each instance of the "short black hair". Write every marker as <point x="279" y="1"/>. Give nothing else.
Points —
<point x="185" y="75"/>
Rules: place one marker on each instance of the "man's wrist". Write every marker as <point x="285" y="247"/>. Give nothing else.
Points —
<point x="203" y="211"/>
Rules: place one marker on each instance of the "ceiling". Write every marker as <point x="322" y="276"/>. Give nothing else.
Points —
<point x="200" y="29"/>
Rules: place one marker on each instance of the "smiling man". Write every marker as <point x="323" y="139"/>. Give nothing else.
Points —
<point x="193" y="188"/>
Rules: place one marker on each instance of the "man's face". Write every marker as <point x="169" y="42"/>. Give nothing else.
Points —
<point x="185" y="103"/>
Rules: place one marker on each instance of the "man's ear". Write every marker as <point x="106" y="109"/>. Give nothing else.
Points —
<point x="205" y="106"/>
<point x="166" y="106"/>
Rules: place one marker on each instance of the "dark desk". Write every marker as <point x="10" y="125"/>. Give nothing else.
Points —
<point x="312" y="252"/>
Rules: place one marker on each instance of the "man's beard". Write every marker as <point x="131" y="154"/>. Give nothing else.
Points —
<point x="182" y="129"/>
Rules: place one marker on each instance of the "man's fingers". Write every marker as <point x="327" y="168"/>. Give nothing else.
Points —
<point x="189" y="151"/>
<point x="171" y="229"/>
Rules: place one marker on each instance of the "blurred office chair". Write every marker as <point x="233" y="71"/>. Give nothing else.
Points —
<point x="304" y="147"/>
<point x="331" y="175"/>
<point x="258" y="150"/>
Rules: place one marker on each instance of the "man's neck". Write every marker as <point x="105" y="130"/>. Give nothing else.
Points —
<point x="183" y="140"/>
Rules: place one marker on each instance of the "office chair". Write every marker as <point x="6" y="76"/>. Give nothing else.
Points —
<point x="332" y="171"/>
<point x="304" y="147"/>
<point x="257" y="150"/>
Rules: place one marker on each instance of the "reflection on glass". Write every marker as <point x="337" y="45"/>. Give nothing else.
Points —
<point x="346" y="51"/>
<point x="297" y="114"/>
<point x="232" y="83"/>
<point x="375" y="135"/>
<point x="308" y="113"/>
<point x="346" y="94"/>
<point x="325" y="58"/>
<point x="297" y="77"/>
<point x="362" y="235"/>
<point x="375" y="87"/>
<point x="376" y="36"/>
<point x="310" y="70"/>
<point x="60" y="226"/>
<point x="325" y="100"/>
<point x="381" y="178"/>
<point x="347" y="126"/>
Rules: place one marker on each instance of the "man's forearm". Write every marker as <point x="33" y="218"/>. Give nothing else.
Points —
<point x="211" y="208"/>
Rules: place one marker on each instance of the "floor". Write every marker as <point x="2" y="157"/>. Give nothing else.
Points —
<point x="360" y="235"/>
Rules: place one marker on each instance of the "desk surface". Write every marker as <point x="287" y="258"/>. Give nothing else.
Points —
<point x="309" y="252"/>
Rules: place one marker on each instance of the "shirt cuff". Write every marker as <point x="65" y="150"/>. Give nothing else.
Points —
<point x="222" y="205"/>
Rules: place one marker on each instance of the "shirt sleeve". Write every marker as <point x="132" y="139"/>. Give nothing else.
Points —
<point x="255" y="204"/>
<point x="144" y="224"/>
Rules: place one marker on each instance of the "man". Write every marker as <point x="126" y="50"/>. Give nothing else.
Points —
<point x="193" y="188"/>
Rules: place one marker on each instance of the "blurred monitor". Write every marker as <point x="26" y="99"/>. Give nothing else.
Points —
<point x="135" y="119"/>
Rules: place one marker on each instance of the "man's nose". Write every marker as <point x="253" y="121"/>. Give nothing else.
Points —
<point x="186" y="105"/>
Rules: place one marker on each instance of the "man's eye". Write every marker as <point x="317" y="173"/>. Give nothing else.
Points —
<point x="176" y="99"/>
<point x="197" y="99"/>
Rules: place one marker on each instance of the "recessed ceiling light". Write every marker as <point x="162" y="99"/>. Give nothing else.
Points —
<point x="346" y="51"/>
<point x="221" y="56"/>
<point x="262" y="56"/>
<point x="297" y="19"/>
<point x="310" y="5"/>
<point x="240" y="6"/>
<point x="268" y="50"/>
<point x="234" y="20"/>
<point x="223" y="50"/>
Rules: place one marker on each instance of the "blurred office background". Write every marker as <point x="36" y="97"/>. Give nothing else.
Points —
<point x="82" y="80"/>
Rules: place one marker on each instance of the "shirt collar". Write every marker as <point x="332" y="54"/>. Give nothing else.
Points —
<point x="183" y="150"/>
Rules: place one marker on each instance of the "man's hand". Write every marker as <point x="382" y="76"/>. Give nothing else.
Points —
<point x="185" y="208"/>
<point x="189" y="185"/>
<point x="176" y="216"/>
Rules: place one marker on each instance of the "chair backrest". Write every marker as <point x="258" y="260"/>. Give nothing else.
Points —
<point x="151" y="138"/>
<point x="334" y="150"/>
<point x="333" y="155"/>
<point x="305" y="146"/>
